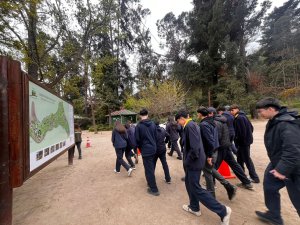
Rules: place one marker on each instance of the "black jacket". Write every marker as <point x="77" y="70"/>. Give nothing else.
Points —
<point x="209" y="135"/>
<point x="282" y="141"/>
<point x="131" y="136"/>
<point x="145" y="136"/>
<point x="243" y="130"/>
<point x="119" y="140"/>
<point x="230" y="120"/>
<point x="223" y="132"/>
<point x="193" y="152"/>
<point x="173" y="130"/>
<point x="160" y="140"/>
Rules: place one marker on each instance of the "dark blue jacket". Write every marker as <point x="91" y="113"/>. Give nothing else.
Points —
<point x="209" y="135"/>
<point x="193" y="152"/>
<point x="145" y="136"/>
<point x="230" y="119"/>
<point x="160" y="140"/>
<point x="119" y="140"/>
<point x="243" y="130"/>
<point x="173" y="130"/>
<point x="131" y="137"/>
<point x="282" y="141"/>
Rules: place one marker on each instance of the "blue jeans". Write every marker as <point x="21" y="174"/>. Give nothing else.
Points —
<point x="164" y="164"/>
<point x="272" y="186"/>
<point x="197" y="193"/>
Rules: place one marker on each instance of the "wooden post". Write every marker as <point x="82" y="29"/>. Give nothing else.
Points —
<point x="71" y="155"/>
<point x="5" y="185"/>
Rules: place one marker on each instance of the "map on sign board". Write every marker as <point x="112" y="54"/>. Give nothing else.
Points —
<point x="51" y="126"/>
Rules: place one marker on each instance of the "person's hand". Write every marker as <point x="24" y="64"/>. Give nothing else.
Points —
<point x="277" y="175"/>
<point x="209" y="161"/>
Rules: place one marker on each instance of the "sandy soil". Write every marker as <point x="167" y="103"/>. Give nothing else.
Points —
<point x="89" y="192"/>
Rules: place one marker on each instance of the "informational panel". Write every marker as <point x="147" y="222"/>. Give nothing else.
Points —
<point x="51" y="125"/>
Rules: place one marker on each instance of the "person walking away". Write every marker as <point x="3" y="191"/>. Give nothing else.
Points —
<point x="119" y="140"/>
<point x="145" y="136"/>
<point x="78" y="139"/>
<point x="225" y="153"/>
<point x="194" y="160"/>
<point x="131" y="144"/>
<point x="161" y="151"/>
<point x="243" y="139"/>
<point x="282" y="142"/>
<point x="173" y="128"/>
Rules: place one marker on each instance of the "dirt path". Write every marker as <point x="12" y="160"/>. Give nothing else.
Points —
<point x="89" y="192"/>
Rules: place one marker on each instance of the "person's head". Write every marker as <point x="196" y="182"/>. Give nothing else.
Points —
<point x="234" y="109"/>
<point x="212" y="111"/>
<point x="119" y="127"/>
<point x="268" y="107"/>
<point x="143" y="114"/>
<point x="156" y="121"/>
<point x="170" y="118"/>
<point x="181" y="117"/>
<point x="76" y="126"/>
<point x="202" y="112"/>
<point x="221" y="110"/>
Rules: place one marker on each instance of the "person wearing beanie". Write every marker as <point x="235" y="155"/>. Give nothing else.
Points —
<point x="282" y="142"/>
<point x="243" y="139"/>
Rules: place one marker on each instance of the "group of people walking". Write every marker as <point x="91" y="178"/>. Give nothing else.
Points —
<point x="221" y="133"/>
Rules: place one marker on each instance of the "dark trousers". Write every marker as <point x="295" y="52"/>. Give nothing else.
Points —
<point x="78" y="145"/>
<point x="163" y="160"/>
<point x="198" y="194"/>
<point x="148" y="162"/>
<point x="226" y="155"/>
<point x="272" y="186"/>
<point x="243" y="156"/>
<point x="175" y="147"/>
<point x="120" y="161"/>
<point x="128" y="154"/>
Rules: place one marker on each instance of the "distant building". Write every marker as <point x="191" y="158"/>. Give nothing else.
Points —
<point x="123" y="116"/>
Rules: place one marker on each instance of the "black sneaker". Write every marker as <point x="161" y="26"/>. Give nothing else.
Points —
<point x="255" y="181"/>
<point x="152" y="192"/>
<point x="179" y="158"/>
<point x="231" y="191"/>
<point x="169" y="153"/>
<point x="267" y="217"/>
<point x="246" y="186"/>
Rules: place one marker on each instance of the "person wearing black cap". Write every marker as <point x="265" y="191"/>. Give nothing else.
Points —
<point x="193" y="161"/>
<point x="243" y="139"/>
<point x="145" y="136"/>
<point x="282" y="141"/>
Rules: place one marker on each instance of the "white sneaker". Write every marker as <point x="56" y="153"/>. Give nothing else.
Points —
<point x="129" y="172"/>
<point x="188" y="209"/>
<point x="116" y="171"/>
<point x="226" y="219"/>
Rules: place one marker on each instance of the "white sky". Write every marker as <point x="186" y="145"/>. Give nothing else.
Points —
<point x="159" y="8"/>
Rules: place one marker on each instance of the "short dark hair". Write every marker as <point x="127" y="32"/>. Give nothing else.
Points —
<point x="156" y="121"/>
<point x="268" y="102"/>
<point x="181" y="113"/>
<point x="203" y="111"/>
<point x="144" y="112"/>
<point x="221" y="108"/>
<point x="212" y="110"/>
<point x="234" y="106"/>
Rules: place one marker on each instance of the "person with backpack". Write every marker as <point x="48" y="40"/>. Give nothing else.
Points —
<point x="161" y="151"/>
<point x="193" y="161"/>
<point x="211" y="143"/>
<point x="173" y="130"/>
<point x="282" y="142"/>
<point x="119" y="140"/>
<point x="243" y="139"/>
<point x="131" y="144"/>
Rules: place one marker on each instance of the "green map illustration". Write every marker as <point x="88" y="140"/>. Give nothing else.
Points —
<point x="39" y="129"/>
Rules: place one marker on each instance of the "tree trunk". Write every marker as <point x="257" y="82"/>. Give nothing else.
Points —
<point x="32" y="47"/>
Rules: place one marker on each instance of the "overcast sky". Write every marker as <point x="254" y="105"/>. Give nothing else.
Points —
<point x="159" y="8"/>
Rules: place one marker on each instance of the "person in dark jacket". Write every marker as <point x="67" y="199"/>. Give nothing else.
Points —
<point x="282" y="141"/>
<point x="194" y="160"/>
<point x="119" y="140"/>
<point x="225" y="153"/>
<point x="173" y="130"/>
<point x="131" y="144"/>
<point x="78" y="139"/>
<point x="145" y="136"/>
<point x="243" y="139"/>
<point x="161" y="151"/>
